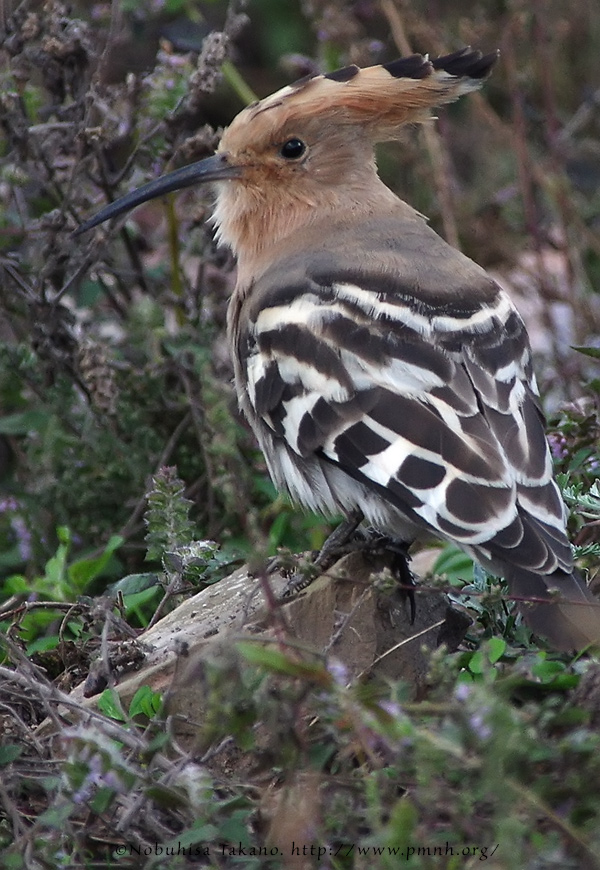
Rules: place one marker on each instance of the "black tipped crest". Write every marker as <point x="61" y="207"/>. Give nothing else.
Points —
<point x="413" y="67"/>
<point x="466" y="63"/>
<point x="298" y="84"/>
<point x="344" y="74"/>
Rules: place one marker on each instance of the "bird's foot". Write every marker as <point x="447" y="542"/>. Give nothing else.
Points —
<point x="339" y="543"/>
<point x="348" y="538"/>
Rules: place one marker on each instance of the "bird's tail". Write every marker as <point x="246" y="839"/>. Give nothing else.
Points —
<point x="558" y="606"/>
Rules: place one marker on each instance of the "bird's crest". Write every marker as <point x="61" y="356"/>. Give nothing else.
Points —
<point x="378" y="98"/>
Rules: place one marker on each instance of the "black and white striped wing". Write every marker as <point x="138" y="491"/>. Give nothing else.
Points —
<point x="432" y="411"/>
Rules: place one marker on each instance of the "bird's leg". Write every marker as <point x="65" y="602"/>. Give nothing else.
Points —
<point x="336" y="545"/>
<point x="347" y="538"/>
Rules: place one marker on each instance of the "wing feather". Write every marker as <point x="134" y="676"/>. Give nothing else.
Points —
<point x="436" y="414"/>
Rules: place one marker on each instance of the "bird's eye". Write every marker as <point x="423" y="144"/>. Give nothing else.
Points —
<point x="292" y="149"/>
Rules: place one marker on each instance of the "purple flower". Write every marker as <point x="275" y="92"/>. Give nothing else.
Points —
<point x="338" y="671"/>
<point x="462" y="691"/>
<point x="8" y="505"/>
<point x="23" y="536"/>
<point x="391" y="707"/>
<point x="478" y="726"/>
<point x="558" y="445"/>
<point x="96" y="778"/>
<point x="11" y="506"/>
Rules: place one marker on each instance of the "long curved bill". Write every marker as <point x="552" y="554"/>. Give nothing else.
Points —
<point x="215" y="168"/>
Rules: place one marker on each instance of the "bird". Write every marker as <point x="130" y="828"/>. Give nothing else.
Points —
<point x="384" y="373"/>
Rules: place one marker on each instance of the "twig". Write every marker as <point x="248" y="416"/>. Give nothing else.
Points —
<point x="346" y="620"/>
<point x="398" y="646"/>
<point x="237" y="83"/>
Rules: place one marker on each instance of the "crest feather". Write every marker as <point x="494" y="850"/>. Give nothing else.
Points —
<point x="379" y="98"/>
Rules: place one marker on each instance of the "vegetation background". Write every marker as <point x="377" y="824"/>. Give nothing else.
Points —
<point x="122" y="454"/>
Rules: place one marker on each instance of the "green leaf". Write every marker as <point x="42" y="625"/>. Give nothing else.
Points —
<point x="102" y="800"/>
<point x="281" y="663"/>
<point x="134" y="603"/>
<point x="89" y="293"/>
<point x="278" y="530"/>
<point x="55" y="570"/>
<point x="15" y="585"/>
<point x="132" y="584"/>
<point x="109" y="703"/>
<point x="496" y="649"/>
<point x="403" y="820"/>
<point x="63" y="533"/>
<point x="42" y="644"/>
<point x="477" y="662"/>
<point x="594" y="352"/>
<point x="173" y="7"/>
<point x="454" y="564"/>
<point x="84" y="571"/>
<point x="55" y="817"/>
<point x="145" y="701"/>
<point x="546" y="671"/>
<point x="235" y="827"/>
<point x="158" y="742"/>
<point x="13" y="862"/>
<point x="9" y="752"/>
<point x="580" y="459"/>
<point x="23" y="423"/>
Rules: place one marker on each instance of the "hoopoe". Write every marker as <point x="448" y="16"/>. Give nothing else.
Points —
<point x="381" y="370"/>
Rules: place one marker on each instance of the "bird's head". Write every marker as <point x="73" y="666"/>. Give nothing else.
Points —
<point x="306" y="152"/>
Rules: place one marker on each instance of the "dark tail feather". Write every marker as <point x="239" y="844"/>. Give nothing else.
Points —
<point x="571" y="619"/>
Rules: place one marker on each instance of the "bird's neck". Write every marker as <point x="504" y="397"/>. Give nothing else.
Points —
<point x="259" y="228"/>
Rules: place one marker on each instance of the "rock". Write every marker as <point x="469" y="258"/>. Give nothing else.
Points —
<point x="352" y="613"/>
